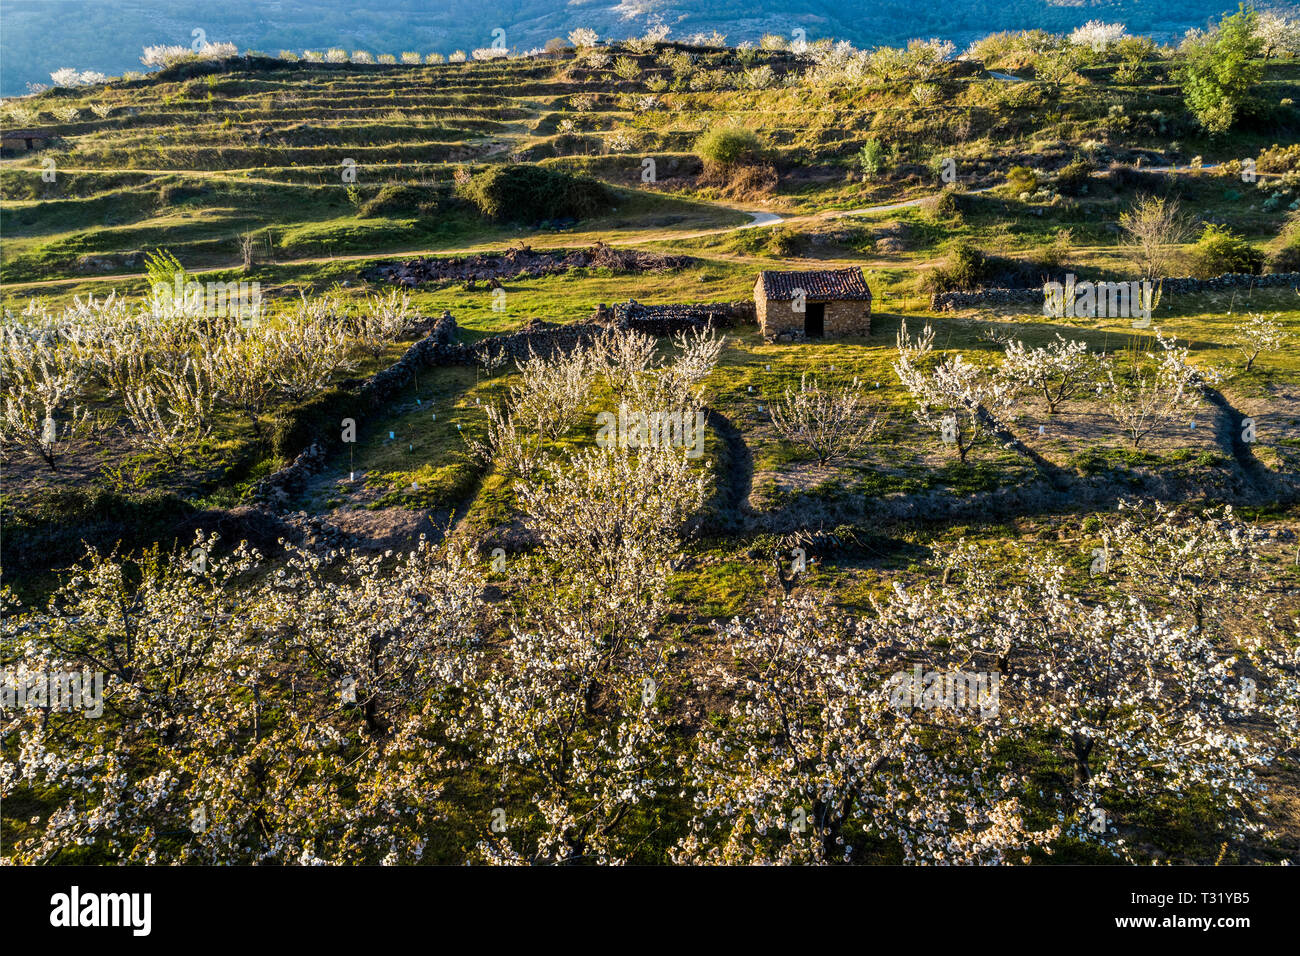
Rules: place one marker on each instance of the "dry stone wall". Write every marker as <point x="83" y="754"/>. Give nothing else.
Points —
<point x="983" y="298"/>
<point x="522" y="261"/>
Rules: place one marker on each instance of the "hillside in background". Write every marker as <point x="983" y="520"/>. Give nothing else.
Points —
<point x="200" y="156"/>
<point x="40" y="36"/>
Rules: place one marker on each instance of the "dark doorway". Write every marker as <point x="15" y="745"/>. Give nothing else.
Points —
<point x="814" y="320"/>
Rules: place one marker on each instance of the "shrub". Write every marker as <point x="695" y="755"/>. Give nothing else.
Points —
<point x="1072" y="180"/>
<point x="1279" y="159"/>
<point x="626" y="68"/>
<point x="1286" y="258"/>
<point x="943" y="207"/>
<point x="399" y="199"/>
<point x="1022" y="179"/>
<point x="784" y="242"/>
<point x="871" y="157"/>
<point x="965" y="270"/>
<point x="1125" y="177"/>
<point x="524" y="193"/>
<point x="1221" y="250"/>
<point x="1011" y="51"/>
<point x="724" y="148"/>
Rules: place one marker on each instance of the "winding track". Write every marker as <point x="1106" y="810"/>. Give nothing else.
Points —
<point x="759" y="219"/>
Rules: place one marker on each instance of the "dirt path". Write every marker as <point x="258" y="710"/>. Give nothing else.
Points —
<point x="759" y="219"/>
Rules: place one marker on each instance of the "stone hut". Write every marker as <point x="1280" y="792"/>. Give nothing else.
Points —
<point x="812" y="305"/>
<point x="23" y="140"/>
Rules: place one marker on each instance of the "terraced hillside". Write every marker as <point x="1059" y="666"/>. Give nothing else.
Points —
<point x="419" y="378"/>
<point x="257" y="147"/>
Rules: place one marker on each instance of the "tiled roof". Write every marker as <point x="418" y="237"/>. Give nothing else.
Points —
<point x="821" y="285"/>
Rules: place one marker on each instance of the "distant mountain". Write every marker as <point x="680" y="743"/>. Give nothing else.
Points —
<point x="39" y="36"/>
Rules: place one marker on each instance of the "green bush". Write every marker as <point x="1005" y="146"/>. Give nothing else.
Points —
<point x="398" y="200"/>
<point x="1072" y="180"/>
<point x="528" y="194"/>
<point x="1221" y="250"/>
<point x="1286" y="258"/>
<point x="1279" y="159"/>
<point x="1022" y="179"/>
<point x="727" y="146"/>
<point x="785" y="242"/>
<point x="943" y="207"/>
<point x="871" y="158"/>
<point x="164" y="270"/>
<point x="965" y="270"/>
<point x="1012" y="50"/>
<point x="750" y="241"/>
